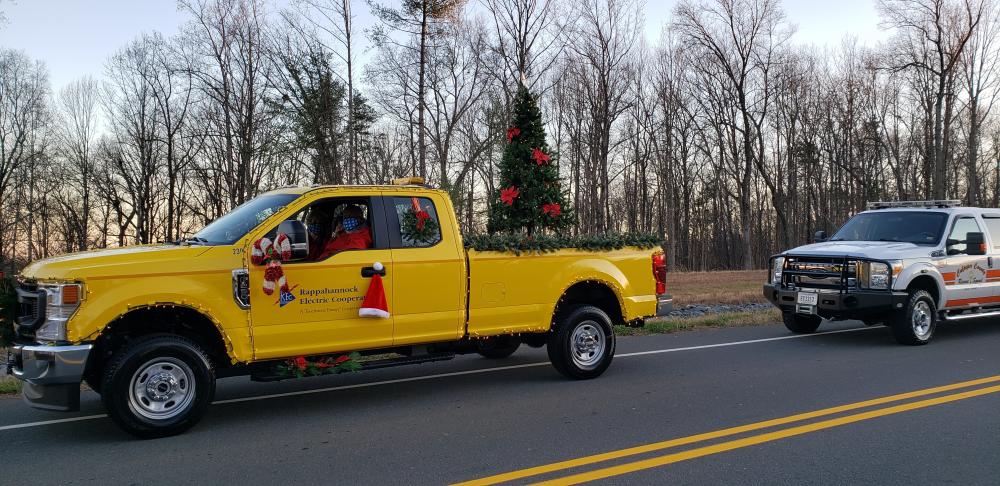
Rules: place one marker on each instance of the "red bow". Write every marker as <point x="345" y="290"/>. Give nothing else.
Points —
<point x="422" y="218"/>
<point x="508" y="195"/>
<point x="512" y="132"/>
<point x="539" y="156"/>
<point x="552" y="209"/>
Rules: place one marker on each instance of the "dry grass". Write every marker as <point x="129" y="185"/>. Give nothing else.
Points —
<point x="9" y="385"/>
<point x="721" y="287"/>
<point x="725" y="319"/>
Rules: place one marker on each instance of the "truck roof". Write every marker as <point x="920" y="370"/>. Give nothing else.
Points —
<point x="938" y="205"/>
<point x="351" y="187"/>
<point x="957" y="209"/>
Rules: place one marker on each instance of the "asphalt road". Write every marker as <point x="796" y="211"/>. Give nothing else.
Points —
<point x="471" y="418"/>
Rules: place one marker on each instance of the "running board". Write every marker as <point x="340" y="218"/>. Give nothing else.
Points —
<point x="974" y="315"/>
<point x="267" y="371"/>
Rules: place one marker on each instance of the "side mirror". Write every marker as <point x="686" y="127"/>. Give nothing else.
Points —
<point x="975" y="243"/>
<point x="820" y="236"/>
<point x="297" y="236"/>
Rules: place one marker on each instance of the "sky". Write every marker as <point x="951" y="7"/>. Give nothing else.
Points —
<point x="74" y="37"/>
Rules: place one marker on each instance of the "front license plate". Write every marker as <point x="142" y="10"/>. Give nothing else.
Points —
<point x="808" y="298"/>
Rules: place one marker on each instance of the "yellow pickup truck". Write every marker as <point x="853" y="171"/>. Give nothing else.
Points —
<point x="151" y="327"/>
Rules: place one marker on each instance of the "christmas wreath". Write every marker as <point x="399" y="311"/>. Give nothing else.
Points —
<point x="300" y="367"/>
<point x="418" y="226"/>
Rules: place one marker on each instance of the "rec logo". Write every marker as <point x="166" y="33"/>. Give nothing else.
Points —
<point x="285" y="298"/>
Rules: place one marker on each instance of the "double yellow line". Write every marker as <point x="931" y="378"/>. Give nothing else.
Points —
<point x="745" y="441"/>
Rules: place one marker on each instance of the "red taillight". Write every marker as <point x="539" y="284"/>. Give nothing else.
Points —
<point x="660" y="272"/>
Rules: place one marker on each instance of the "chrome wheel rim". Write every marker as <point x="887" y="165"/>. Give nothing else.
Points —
<point x="588" y="343"/>
<point x="921" y="319"/>
<point x="162" y="388"/>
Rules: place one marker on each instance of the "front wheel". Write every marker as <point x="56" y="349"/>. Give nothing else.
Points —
<point x="158" y="386"/>
<point x="800" y="323"/>
<point x="914" y="324"/>
<point x="583" y="343"/>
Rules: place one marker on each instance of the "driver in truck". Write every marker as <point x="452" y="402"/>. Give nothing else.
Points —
<point x="352" y="233"/>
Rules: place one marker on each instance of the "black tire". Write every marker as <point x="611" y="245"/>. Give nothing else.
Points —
<point x="498" y="347"/>
<point x="174" y="367"/>
<point x="593" y="326"/>
<point x="800" y="323"/>
<point x="915" y="323"/>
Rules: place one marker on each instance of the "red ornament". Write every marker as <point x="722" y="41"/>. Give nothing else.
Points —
<point x="540" y="157"/>
<point x="508" y="195"/>
<point x="552" y="209"/>
<point x="512" y="132"/>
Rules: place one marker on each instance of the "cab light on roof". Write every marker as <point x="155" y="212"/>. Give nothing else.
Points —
<point x="408" y="181"/>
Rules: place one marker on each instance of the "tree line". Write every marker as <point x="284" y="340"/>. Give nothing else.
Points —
<point x="723" y="135"/>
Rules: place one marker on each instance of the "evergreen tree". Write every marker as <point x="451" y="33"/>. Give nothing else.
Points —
<point x="529" y="196"/>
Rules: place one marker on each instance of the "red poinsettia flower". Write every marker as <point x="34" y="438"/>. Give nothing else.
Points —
<point x="540" y="157"/>
<point x="300" y="363"/>
<point x="342" y="359"/>
<point x="422" y="218"/>
<point x="512" y="132"/>
<point x="552" y="209"/>
<point x="508" y="195"/>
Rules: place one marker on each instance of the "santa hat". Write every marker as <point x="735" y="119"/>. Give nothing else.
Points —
<point x="374" y="304"/>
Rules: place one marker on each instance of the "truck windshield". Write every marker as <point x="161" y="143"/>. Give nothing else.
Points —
<point x="232" y="226"/>
<point x="918" y="227"/>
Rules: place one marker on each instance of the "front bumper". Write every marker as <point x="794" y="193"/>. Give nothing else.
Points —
<point x="51" y="374"/>
<point x="837" y="305"/>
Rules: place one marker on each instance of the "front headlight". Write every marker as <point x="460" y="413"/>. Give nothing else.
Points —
<point x="779" y="263"/>
<point x="878" y="276"/>
<point x="61" y="301"/>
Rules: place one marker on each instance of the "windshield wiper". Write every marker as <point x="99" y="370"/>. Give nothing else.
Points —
<point x="192" y="240"/>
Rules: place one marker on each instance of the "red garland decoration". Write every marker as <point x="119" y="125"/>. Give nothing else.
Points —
<point x="508" y="195"/>
<point x="541" y="158"/>
<point x="552" y="209"/>
<point x="512" y="132"/>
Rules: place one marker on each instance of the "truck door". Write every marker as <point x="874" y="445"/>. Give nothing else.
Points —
<point x="429" y="285"/>
<point x="314" y="310"/>
<point x="964" y="275"/>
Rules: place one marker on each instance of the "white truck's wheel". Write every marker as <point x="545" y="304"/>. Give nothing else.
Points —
<point x="915" y="323"/>
<point x="158" y="386"/>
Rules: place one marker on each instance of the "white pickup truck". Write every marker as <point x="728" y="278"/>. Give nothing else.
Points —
<point x="905" y="264"/>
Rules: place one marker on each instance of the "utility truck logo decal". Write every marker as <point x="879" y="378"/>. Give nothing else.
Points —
<point x="971" y="273"/>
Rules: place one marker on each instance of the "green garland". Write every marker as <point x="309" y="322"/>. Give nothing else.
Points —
<point x="517" y="243"/>
<point x="419" y="236"/>
<point x="300" y="367"/>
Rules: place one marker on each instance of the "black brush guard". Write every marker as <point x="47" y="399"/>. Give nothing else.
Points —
<point x="838" y="279"/>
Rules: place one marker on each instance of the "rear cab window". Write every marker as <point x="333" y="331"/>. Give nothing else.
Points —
<point x="992" y="222"/>
<point x="415" y="222"/>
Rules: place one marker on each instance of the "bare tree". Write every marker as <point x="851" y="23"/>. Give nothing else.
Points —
<point x="77" y="134"/>
<point x="931" y="36"/>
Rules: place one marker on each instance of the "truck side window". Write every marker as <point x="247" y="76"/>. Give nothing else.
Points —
<point x="331" y="225"/>
<point x="418" y="222"/>
<point x="963" y="225"/>
<point x="993" y="226"/>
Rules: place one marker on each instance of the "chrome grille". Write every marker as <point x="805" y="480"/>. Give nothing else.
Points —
<point x="820" y="272"/>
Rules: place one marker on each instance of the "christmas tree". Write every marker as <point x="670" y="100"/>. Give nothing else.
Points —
<point x="529" y="197"/>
